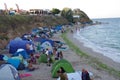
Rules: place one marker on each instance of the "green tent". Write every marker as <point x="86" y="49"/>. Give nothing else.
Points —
<point x="57" y="62"/>
<point x="61" y="63"/>
<point x="42" y="58"/>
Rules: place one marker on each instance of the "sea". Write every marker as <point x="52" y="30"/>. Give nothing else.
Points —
<point x="103" y="38"/>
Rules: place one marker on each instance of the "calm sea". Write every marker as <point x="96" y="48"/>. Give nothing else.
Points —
<point x="103" y="38"/>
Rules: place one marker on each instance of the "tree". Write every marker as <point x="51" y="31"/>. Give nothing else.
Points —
<point x="55" y="11"/>
<point x="83" y="16"/>
<point x="68" y="14"/>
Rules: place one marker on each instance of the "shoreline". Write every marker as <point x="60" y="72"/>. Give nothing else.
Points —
<point x="80" y="59"/>
<point x="91" y="52"/>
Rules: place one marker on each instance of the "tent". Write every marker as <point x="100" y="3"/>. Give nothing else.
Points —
<point x="18" y="57"/>
<point x="26" y="37"/>
<point x="18" y="43"/>
<point x="58" y="28"/>
<point x="61" y="63"/>
<point x="42" y="40"/>
<point x="76" y="75"/>
<point x="21" y="52"/>
<point x="47" y="45"/>
<point x="35" y="30"/>
<point x="8" y="72"/>
<point x="23" y="62"/>
<point x="14" y="62"/>
<point x="42" y="58"/>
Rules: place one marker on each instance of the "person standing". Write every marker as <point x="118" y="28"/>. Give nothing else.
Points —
<point x="48" y="56"/>
<point x="60" y="55"/>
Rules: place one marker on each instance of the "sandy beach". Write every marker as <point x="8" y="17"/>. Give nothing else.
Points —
<point x="44" y="72"/>
<point x="92" y="53"/>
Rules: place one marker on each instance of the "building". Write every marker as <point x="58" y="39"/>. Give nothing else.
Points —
<point x="38" y="12"/>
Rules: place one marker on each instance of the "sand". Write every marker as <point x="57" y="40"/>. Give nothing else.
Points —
<point x="43" y="73"/>
<point x="92" y="53"/>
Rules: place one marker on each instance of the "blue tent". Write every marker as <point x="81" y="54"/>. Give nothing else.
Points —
<point x="42" y="40"/>
<point x="59" y="27"/>
<point x="14" y="62"/>
<point x="25" y="36"/>
<point x="18" y="43"/>
<point x="46" y="45"/>
<point x="22" y="53"/>
<point x="34" y="31"/>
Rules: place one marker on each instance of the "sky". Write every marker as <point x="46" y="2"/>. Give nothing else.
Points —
<point x="93" y="8"/>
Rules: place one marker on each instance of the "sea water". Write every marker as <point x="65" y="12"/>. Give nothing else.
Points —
<point x="103" y="38"/>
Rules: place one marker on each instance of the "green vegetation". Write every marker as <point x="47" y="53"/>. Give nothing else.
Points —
<point x="91" y="60"/>
<point x="11" y="22"/>
<point x="68" y="14"/>
<point x="83" y="18"/>
<point x="3" y="37"/>
<point x="55" y="11"/>
<point x="12" y="26"/>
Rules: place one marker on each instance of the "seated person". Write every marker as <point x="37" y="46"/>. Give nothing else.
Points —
<point x="33" y="58"/>
<point x="62" y="74"/>
<point x="85" y="75"/>
<point x="31" y="67"/>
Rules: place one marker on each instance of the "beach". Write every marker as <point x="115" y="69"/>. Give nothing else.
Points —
<point x="44" y="71"/>
<point x="93" y="53"/>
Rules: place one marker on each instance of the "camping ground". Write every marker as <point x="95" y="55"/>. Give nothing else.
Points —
<point x="44" y="72"/>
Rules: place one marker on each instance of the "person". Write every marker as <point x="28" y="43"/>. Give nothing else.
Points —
<point x="85" y="75"/>
<point x="60" y="55"/>
<point x="30" y="66"/>
<point x="48" y="57"/>
<point x="62" y="74"/>
<point x="71" y="31"/>
<point x="30" y="48"/>
<point x="33" y="58"/>
<point x="56" y="54"/>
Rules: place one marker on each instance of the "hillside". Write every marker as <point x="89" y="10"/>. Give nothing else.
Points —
<point x="17" y="25"/>
<point x="12" y="26"/>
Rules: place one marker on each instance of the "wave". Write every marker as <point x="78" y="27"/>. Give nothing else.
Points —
<point x="106" y="51"/>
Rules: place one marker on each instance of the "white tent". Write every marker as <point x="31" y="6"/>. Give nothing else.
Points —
<point x="76" y="75"/>
<point x="8" y="72"/>
<point x="47" y="45"/>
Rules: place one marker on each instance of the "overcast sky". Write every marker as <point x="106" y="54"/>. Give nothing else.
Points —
<point x="93" y="8"/>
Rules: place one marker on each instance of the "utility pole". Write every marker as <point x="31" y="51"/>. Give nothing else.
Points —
<point x="18" y="10"/>
<point x="6" y="9"/>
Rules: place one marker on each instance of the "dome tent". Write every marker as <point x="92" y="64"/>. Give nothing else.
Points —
<point x="8" y="72"/>
<point x="61" y="63"/>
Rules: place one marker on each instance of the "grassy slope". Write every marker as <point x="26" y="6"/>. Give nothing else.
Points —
<point x="17" y="25"/>
<point x="91" y="61"/>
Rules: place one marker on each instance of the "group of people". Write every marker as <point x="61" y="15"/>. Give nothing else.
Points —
<point x="56" y="54"/>
<point x="63" y="75"/>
